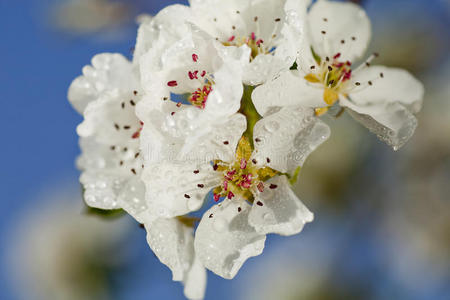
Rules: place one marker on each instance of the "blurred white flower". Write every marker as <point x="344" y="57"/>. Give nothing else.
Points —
<point x="88" y="16"/>
<point x="56" y="251"/>
<point x="333" y="36"/>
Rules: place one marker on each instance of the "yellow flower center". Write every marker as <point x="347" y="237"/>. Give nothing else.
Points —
<point x="242" y="177"/>
<point x="256" y="45"/>
<point x="198" y="97"/>
<point x="333" y="75"/>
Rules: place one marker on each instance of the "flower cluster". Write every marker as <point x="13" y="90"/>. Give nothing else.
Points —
<point x="225" y="98"/>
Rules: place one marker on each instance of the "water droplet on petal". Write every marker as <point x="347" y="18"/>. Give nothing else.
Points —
<point x="272" y="126"/>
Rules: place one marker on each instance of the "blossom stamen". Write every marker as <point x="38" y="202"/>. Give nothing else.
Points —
<point x="242" y="177"/>
<point x="253" y="41"/>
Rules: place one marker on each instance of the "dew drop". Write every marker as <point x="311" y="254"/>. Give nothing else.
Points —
<point x="267" y="217"/>
<point x="101" y="184"/>
<point x="272" y="126"/>
<point x="90" y="199"/>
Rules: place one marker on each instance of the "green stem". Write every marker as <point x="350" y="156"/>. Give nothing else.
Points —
<point x="249" y="111"/>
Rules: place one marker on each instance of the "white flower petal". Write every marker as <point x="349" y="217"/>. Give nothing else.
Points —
<point x="341" y="22"/>
<point x="99" y="189"/>
<point x="284" y="140"/>
<point x="218" y="17"/>
<point x="265" y="67"/>
<point x="295" y="29"/>
<point x="132" y="197"/>
<point x="190" y="134"/>
<point x="220" y="143"/>
<point x="108" y="122"/>
<point x="282" y="212"/>
<point x="173" y="244"/>
<point x="107" y="184"/>
<point x="227" y="90"/>
<point x="224" y="240"/>
<point x="386" y="107"/>
<point x="290" y="88"/>
<point x="389" y="85"/>
<point x="175" y="188"/>
<point x="195" y="281"/>
<point x="169" y="22"/>
<point x="393" y="123"/>
<point x="299" y="7"/>
<point x="106" y="73"/>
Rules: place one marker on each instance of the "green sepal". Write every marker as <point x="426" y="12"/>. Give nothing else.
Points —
<point x="294" y="177"/>
<point x="294" y="66"/>
<point x="103" y="213"/>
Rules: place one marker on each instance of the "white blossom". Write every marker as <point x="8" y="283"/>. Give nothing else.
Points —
<point x="106" y="94"/>
<point x="333" y="36"/>
<point x="257" y="25"/>
<point x="232" y="231"/>
<point x="192" y="94"/>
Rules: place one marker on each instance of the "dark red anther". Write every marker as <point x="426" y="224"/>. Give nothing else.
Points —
<point x="216" y="198"/>
<point x="136" y="134"/>
<point x="172" y="83"/>
<point x="194" y="57"/>
<point x="230" y="175"/>
<point x="260" y="187"/>
<point x="243" y="164"/>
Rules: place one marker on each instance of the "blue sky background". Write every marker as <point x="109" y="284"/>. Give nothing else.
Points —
<point x="39" y="145"/>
